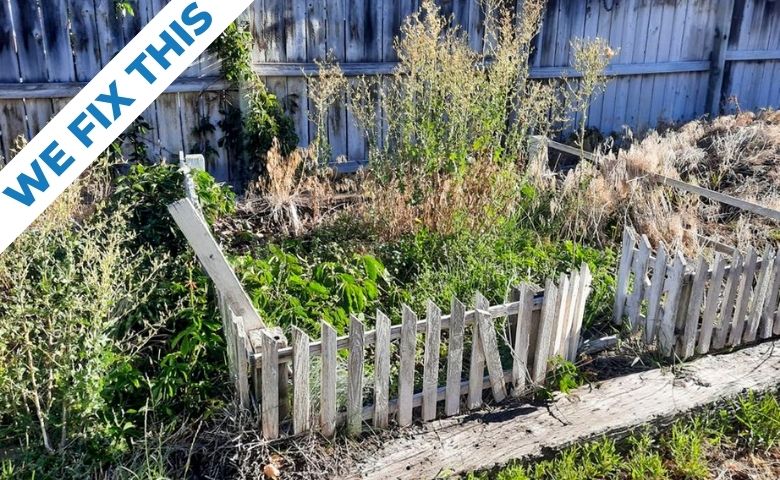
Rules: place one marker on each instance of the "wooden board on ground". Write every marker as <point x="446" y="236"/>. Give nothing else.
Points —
<point x="462" y="444"/>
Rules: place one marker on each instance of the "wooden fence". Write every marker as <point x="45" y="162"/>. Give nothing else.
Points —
<point x="517" y="354"/>
<point x="691" y="307"/>
<point x="676" y="60"/>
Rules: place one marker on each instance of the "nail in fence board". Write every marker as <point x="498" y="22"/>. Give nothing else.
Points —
<point x="626" y="255"/>
<point x="522" y="339"/>
<point x="431" y="361"/>
<point x="654" y="311"/>
<point x="406" y="373"/>
<point x="673" y="290"/>
<point x="329" y="355"/>
<point x="455" y="357"/>
<point x="301" y="400"/>
<point x="382" y="371"/>
<point x="745" y="291"/>
<point x="270" y="399"/>
<point x="760" y="295"/>
<point x="711" y="304"/>
<point x="694" y="308"/>
<point x="546" y="328"/>
<point x="355" y="377"/>
<point x="729" y="297"/>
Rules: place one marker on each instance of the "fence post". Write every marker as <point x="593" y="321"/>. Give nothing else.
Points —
<point x="718" y="58"/>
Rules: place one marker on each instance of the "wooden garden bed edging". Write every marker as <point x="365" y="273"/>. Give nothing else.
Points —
<point x="614" y="408"/>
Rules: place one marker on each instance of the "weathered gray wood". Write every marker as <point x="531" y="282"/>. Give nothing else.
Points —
<point x="656" y="396"/>
<point x="639" y="270"/>
<point x="355" y="377"/>
<point x="431" y="361"/>
<point x="520" y="372"/>
<point x="717" y="196"/>
<point x="760" y="295"/>
<point x="214" y="262"/>
<point x="270" y="398"/>
<point x="487" y="335"/>
<point x="455" y="357"/>
<point x="626" y="257"/>
<point x="745" y="293"/>
<point x="771" y="308"/>
<point x="329" y="362"/>
<point x="382" y="371"/>
<point x="688" y="344"/>
<point x="654" y="311"/>
<point x="546" y="329"/>
<point x="561" y="314"/>
<point x="406" y="373"/>
<point x="729" y="300"/>
<point x="673" y="287"/>
<point x="711" y="304"/>
<point x="301" y="400"/>
<point x="241" y="361"/>
<point x="584" y="289"/>
<point x="719" y="57"/>
<point x="571" y="311"/>
<point x="477" y="365"/>
<point x="752" y="55"/>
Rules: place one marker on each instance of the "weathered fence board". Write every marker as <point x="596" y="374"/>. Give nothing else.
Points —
<point x="517" y="315"/>
<point x="697" y="312"/>
<point x="674" y="62"/>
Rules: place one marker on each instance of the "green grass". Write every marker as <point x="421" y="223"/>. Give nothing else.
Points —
<point x="688" y="450"/>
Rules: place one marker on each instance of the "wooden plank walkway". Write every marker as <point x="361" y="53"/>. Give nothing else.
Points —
<point x="462" y="444"/>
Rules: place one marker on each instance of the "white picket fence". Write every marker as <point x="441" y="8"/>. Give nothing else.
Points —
<point x="691" y="307"/>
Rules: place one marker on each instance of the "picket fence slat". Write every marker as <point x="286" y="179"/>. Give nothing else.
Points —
<point x="431" y="361"/>
<point x="571" y="309"/>
<point x="562" y="314"/>
<point x="711" y="304"/>
<point x="673" y="293"/>
<point x="583" y="292"/>
<point x="639" y="271"/>
<point x="477" y="365"/>
<point x="355" y="377"/>
<point x="522" y="339"/>
<point x="487" y="335"/>
<point x="626" y="257"/>
<point x="546" y="328"/>
<point x="688" y="344"/>
<point x="382" y="371"/>
<point x="270" y="389"/>
<point x="241" y="360"/>
<point x="301" y="400"/>
<point x="455" y="357"/>
<point x="406" y="372"/>
<point x="745" y="291"/>
<point x="654" y="311"/>
<point x="727" y="307"/>
<point x="760" y="295"/>
<point x="772" y="309"/>
<point x="328" y="373"/>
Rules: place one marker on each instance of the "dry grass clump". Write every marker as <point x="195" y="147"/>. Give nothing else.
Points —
<point x="445" y="203"/>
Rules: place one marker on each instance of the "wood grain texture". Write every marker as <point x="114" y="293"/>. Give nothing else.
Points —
<point x="382" y="371"/>
<point x="487" y="335"/>
<point x="546" y="329"/>
<point x="520" y="364"/>
<point x="462" y="444"/>
<point x="760" y="295"/>
<point x="729" y="300"/>
<point x="656" y="290"/>
<point x="355" y="377"/>
<point x="711" y="304"/>
<point x="328" y="365"/>
<point x="270" y="388"/>
<point x="624" y="270"/>
<point x="406" y="373"/>
<point x="477" y="363"/>
<point x="431" y="361"/>
<point x="672" y="287"/>
<point x="743" y="300"/>
<point x="690" y="333"/>
<point x="455" y="357"/>
<point x="771" y="308"/>
<point x="639" y="272"/>
<point x="583" y="292"/>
